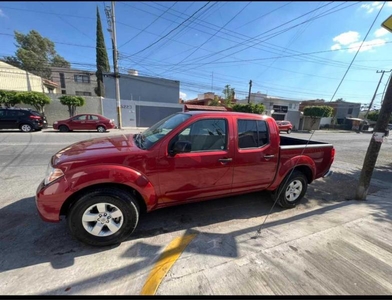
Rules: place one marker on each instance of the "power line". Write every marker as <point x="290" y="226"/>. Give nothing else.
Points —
<point x="172" y="29"/>
<point x="268" y="37"/>
<point x="320" y="59"/>
<point x="227" y="23"/>
<point x="65" y="21"/>
<point x="147" y="26"/>
<point x="182" y="31"/>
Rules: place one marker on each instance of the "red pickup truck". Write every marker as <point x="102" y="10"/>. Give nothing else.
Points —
<point x="103" y="184"/>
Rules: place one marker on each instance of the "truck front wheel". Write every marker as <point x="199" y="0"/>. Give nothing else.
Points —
<point x="103" y="217"/>
<point x="292" y="190"/>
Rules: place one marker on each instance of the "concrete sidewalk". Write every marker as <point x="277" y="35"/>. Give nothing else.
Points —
<point x="341" y="248"/>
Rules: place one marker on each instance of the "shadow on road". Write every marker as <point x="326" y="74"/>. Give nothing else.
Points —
<point x="28" y="241"/>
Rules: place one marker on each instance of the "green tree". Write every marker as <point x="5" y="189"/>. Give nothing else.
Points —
<point x="318" y="111"/>
<point x="249" y="108"/>
<point x="36" y="99"/>
<point x="373" y="116"/>
<point x="229" y="94"/>
<point x="35" y="54"/>
<point x="101" y="57"/>
<point x="72" y="102"/>
<point x="8" y="98"/>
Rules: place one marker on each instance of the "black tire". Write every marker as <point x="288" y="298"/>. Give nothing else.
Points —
<point x="117" y="198"/>
<point x="289" y="131"/>
<point x="296" y="178"/>
<point x="63" y="128"/>
<point x="101" y="128"/>
<point x="26" y="127"/>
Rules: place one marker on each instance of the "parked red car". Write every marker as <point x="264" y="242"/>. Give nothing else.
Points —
<point x="102" y="185"/>
<point x="285" y="126"/>
<point x="85" y="122"/>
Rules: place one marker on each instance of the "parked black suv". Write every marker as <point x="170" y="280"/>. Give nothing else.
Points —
<point x="21" y="118"/>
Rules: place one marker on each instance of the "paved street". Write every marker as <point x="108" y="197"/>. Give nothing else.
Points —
<point x="326" y="245"/>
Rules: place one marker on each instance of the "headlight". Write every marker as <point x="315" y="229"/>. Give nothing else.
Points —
<point x="52" y="174"/>
<point x="55" y="122"/>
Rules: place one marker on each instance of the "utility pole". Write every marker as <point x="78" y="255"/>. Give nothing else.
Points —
<point x="375" y="92"/>
<point x="110" y="14"/>
<point x="375" y="145"/>
<point x="250" y="88"/>
<point x="383" y="93"/>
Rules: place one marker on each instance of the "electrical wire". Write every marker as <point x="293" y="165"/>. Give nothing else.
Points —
<point x="154" y="43"/>
<point x="227" y="23"/>
<point x="156" y="19"/>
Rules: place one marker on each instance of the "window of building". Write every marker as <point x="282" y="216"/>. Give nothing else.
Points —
<point x="82" y="78"/>
<point x="83" y="93"/>
<point x="64" y="92"/>
<point x="252" y="133"/>
<point x="62" y="80"/>
<point x="350" y="110"/>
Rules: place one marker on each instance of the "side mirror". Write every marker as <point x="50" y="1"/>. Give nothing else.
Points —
<point x="181" y="147"/>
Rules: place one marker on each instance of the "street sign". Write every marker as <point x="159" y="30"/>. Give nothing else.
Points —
<point x="387" y="24"/>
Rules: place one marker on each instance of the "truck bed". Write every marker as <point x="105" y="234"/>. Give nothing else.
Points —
<point x="319" y="152"/>
<point x="287" y="143"/>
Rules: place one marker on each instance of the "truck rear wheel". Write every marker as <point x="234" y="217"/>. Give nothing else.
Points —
<point x="292" y="190"/>
<point x="103" y="217"/>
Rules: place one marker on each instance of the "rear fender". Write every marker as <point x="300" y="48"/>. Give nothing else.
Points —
<point x="104" y="174"/>
<point x="302" y="161"/>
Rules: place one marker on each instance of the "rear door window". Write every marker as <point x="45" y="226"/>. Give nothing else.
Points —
<point x="252" y="133"/>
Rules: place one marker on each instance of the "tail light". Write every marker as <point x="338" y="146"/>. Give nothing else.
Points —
<point x="332" y="154"/>
<point x="35" y="117"/>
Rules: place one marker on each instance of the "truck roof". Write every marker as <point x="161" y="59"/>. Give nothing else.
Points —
<point x="228" y="113"/>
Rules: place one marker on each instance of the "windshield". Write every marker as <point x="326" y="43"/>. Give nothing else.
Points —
<point x="156" y="132"/>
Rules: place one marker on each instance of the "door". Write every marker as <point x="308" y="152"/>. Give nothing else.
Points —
<point x="255" y="158"/>
<point x="12" y="118"/>
<point x="92" y="122"/>
<point x="206" y="171"/>
<point x="79" y="123"/>
<point x="4" y="123"/>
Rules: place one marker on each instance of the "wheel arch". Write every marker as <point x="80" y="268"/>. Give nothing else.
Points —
<point x="74" y="197"/>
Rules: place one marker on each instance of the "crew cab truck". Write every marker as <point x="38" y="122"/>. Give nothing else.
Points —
<point x="102" y="185"/>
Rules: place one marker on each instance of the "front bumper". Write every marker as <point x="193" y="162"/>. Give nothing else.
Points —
<point x="329" y="173"/>
<point x="49" y="202"/>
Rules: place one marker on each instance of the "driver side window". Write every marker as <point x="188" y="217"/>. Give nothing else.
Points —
<point x="80" y="118"/>
<point x="205" y="135"/>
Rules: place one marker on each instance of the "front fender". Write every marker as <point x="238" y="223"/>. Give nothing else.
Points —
<point x="288" y="165"/>
<point x="80" y="179"/>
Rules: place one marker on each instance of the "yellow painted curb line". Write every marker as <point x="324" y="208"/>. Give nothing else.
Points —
<point x="165" y="262"/>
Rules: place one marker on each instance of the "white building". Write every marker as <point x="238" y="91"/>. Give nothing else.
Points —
<point x="278" y="108"/>
<point x="15" y="79"/>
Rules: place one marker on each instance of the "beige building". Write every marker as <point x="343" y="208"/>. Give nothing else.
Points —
<point x="74" y="82"/>
<point x="15" y="79"/>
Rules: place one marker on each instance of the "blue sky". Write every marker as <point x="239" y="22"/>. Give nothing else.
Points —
<point x="297" y="50"/>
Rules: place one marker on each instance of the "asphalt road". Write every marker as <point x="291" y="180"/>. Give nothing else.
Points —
<point x="42" y="258"/>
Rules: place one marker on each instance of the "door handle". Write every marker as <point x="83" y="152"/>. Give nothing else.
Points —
<point x="269" y="156"/>
<point x="225" y="160"/>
